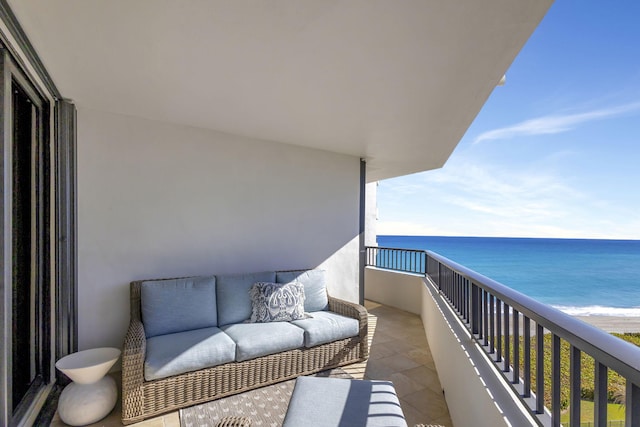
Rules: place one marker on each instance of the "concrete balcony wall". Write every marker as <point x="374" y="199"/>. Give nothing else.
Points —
<point x="399" y="290"/>
<point x="468" y="398"/>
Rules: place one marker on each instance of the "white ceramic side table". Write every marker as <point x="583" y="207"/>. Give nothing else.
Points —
<point x="91" y="395"/>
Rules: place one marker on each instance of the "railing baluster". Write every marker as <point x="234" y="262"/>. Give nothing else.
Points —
<point x="507" y="339"/>
<point x="454" y="279"/>
<point x="539" y="369"/>
<point x="475" y="309"/>
<point x="574" y="381"/>
<point x="465" y="289"/>
<point x="403" y="262"/>
<point x="516" y="347"/>
<point x="460" y="299"/>
<point x="492" y="326"/>
<point x="485" y="316"/>
<point x="632" y="405"/>
<point x="459" y="296"/>
<point x="600" y="394"/>
<point x="499" y="333"/>
<point x="527" y="357"/>
<point x="555" y="381"/>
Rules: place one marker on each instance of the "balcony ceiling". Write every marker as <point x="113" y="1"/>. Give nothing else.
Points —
<point x="396" y="82"/>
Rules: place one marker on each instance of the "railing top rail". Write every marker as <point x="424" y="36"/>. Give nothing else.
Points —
<point x="395" y="249"/>
<point x="619" y="355"/>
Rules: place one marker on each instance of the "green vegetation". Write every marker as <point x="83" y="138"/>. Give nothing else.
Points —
<point x="616" y="384"/>
<point x="615" y="412"/>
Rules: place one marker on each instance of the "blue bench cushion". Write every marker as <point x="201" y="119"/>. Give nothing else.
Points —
<point x="315" y="287"/>
<point x="178" y="305"/>
<point x="260" y="339"/>
<point x="339" y="402"/>
<point x="325" y="326"/>
<point x="188" y="351"/>
<point x="232" y="290"/>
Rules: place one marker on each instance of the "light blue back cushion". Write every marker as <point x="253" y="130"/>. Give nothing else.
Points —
<point x="178" y="305"/>
<point x="315" y="287"/>
<point x="234" y="302"/>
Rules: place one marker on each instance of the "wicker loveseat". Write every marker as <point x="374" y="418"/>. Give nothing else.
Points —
<point x="191" y="340"/>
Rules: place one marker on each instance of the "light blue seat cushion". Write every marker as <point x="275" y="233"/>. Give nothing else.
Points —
<point x="315" y="287"/>
<point x="325" y="326"/>
<point x="232" y="291"/>
<point x="178" y="305"/>
<point x="188" y="351"/>
<point x="339" y="402"/>
<point x="260" y="339"/>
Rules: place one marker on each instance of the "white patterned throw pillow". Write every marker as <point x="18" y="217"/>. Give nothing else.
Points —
<point x="276" y="302"/>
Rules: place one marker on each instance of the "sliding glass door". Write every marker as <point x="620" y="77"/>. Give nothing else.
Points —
<point x="26" y="278"/>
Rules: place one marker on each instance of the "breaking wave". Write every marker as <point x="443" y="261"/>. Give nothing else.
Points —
<point x="598" y="310"/>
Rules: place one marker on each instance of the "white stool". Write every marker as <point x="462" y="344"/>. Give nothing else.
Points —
<point x="91" y="395"/>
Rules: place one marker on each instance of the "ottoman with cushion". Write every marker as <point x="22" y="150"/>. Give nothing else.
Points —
<point x="339" y="402"/>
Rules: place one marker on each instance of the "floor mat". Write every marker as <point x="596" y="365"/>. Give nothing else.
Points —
<point x="266" y="406"/>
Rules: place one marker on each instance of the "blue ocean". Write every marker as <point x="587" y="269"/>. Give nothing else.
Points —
<point x="578" y="276"/>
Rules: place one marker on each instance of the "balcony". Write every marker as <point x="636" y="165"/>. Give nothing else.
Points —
<point x="399" y="352"/>
<point x="477" y="328"/>
<point x="447" y="337"/>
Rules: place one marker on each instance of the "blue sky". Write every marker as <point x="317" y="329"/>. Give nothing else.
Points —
<point x="555" y="152"/>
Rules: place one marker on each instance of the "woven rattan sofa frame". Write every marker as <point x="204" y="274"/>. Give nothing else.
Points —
<point x="144" y="399"/>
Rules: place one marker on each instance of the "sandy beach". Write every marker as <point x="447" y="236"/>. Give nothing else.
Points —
<point x="613" y="323"/>
<point x="617" y="324"/>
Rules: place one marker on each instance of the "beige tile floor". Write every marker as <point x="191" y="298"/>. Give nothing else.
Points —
<point x="399" y="353"/>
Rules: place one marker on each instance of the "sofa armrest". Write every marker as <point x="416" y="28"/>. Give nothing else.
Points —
<point x="355" y="311"/>
<point x="349" y="309"/>
<point x="133" y="354"/>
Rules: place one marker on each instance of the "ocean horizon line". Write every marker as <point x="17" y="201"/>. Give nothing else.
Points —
<point x="608" y="239"/>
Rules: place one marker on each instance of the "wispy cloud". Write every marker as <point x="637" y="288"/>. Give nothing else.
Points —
<point x="523" y="195"/>
<point x="473" y="200"/>
<point x="555" y="123"/>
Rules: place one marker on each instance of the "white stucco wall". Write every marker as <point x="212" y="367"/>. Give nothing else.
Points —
<point x="399" y="290"/>
<point x="470" y="405"/>
<point x="157" y="200"/>
<point x="371" y="214"/>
